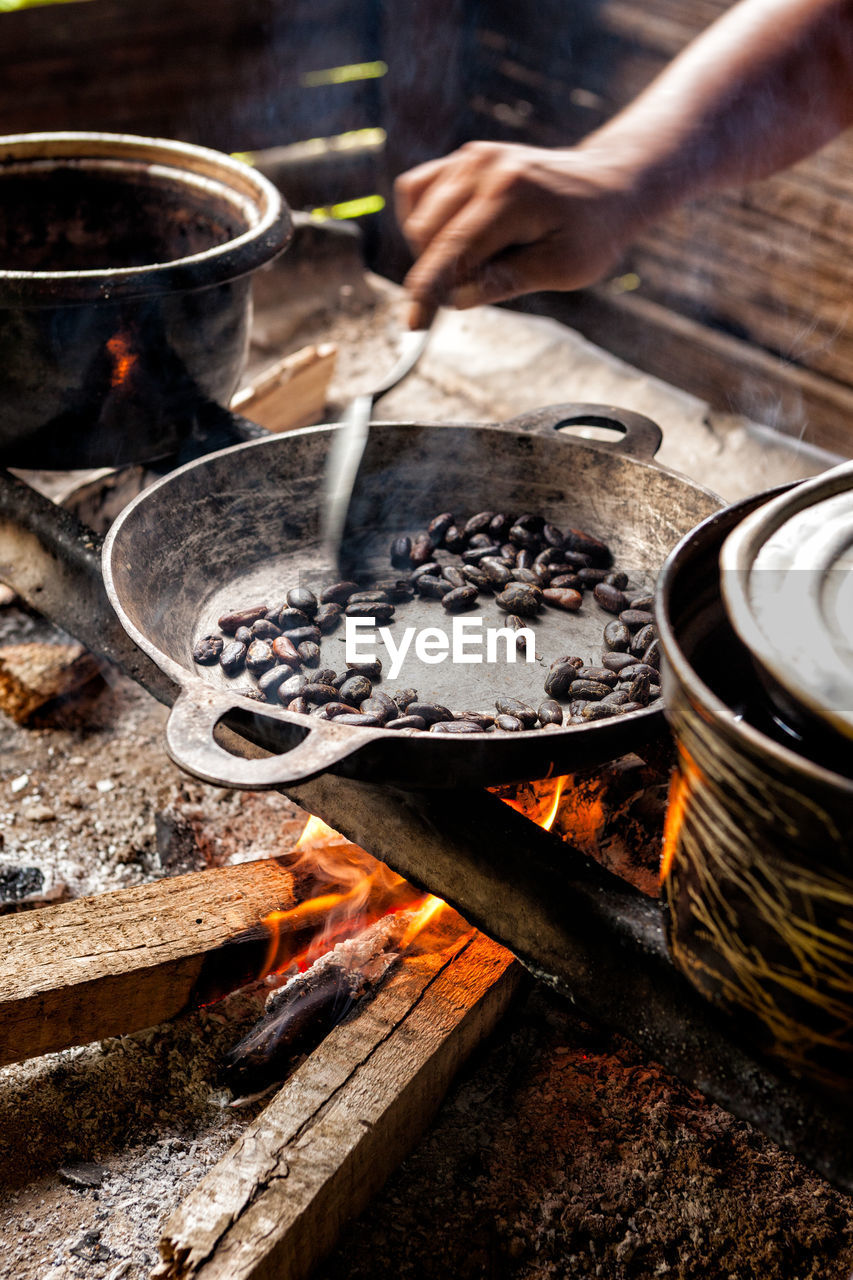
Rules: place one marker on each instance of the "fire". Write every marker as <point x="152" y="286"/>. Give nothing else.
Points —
<point x="538" y="801"/>
<point x="683" y="780"/>
<point x="342" y="890"/>
<point x="123" y="357"/>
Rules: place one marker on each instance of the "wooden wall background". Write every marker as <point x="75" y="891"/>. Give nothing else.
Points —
<point x="743" y="298"/>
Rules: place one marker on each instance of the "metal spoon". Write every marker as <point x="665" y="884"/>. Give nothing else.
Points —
<point x="350" y="440"/>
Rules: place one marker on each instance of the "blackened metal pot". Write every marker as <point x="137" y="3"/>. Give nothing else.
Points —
<point x="124" y="292"/>
<point x="758" y="858"/>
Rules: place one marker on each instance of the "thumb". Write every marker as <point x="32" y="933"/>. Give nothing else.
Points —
<point x="526" y="269"/>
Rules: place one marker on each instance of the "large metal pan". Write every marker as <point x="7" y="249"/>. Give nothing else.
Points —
<point x="243" y="525"/>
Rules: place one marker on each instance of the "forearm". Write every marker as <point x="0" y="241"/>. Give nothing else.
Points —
<point x="768" y="83"/>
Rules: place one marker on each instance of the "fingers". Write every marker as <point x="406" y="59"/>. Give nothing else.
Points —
<point x="512" y="273"/>
<point x="409" y="188"/>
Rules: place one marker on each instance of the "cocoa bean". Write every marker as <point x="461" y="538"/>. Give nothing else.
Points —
<point x="229" y="622"/>
<point x="208" y="649"/>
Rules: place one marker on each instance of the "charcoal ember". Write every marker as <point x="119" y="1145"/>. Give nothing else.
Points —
<point x="430" y="712"/>
<point x="454" y="575"/>
<point x="208" y="649"/>
<point x="359" y="718"/>
<point x="617" y="636"/>
<point x="601" y="674"/>
<point x="642" y="639"/>
<point x="601" y="711"/>
<point x="338" y="592"/>
<point x="401" y="553"/>
<point x="403" y="698"/>
<point x="589" y="690"/>
<point x="586" y="544"/>
<point x="355" y="689"/>
<point x="525" y="539"/>
<point x="478" y="578"/>
<point x="263" y="629"/>
<point x="527" y="576"/>
<point x="635" y="619"/>
<point x="497" y="570"/>
<point x="378" y="709"/>
<point x="299" y="705"/>
<point x="83" y="1175"/>
<point x="89" y="1249"/>
<point x="271" y="681"/>
<point x="232" y="657"/>
<point x="475" y="555"/>
<point x="460" y="599"/>
<point x="454" y="540"/>
<point x="610" y="598"/>
<point x="17" y="883"/>
<point x="563" y="598"/>
<point x="519" y="598"/>
<point x="514" y="707"/>
<point x="559" y="680"/>
<point x="380" y="613"/>
<point x="291" y="619"/>
<point x="297" y="634"/>
<point x="243" y="635"/>
<point x="304" y="1012"/>
<point x="550" y="712"/>
<point x="616" y="661"/>
<point x="438" y="527"/>
<point x="327" y="617"/>
<point x="291" y="687"/>
<point x="422" y="549"/>
<point x="406" y="722"/>
<point x="646" y="603"/>
<point x="432" y="588"/>
<point x="566" y="581"/>
<point x="372" y="669"/>
<point x="455" y="726"/>
<point x="478" y="523"/>
<point x="229" y="622"/>
<point x="509" y="724"/>
<point x="374" y="596"/>
<point x="319" y="693"/>
<point x="309" y="652"/>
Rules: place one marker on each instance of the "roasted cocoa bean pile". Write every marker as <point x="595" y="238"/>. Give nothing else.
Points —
<point x="522" y="562"/>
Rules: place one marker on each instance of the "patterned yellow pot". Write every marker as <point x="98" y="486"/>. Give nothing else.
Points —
<point x="758" y="858"/>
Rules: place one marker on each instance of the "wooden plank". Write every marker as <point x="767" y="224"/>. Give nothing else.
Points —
<point x="125" y="960"/>
<point x="729" y="373"/>
<point x="290" y="394"/>
<point x="326" y="1143"/>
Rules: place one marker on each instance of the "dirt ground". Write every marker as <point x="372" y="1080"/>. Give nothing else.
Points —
<point x="559" y="1153"/>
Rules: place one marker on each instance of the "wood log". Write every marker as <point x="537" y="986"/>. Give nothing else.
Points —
<point x="277" y="1201"/>
<point x="33" y="675"/>
<point x="121" y="961"/>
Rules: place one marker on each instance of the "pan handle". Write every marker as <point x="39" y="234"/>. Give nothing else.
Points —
<point x="191" y="744"/>
<point x="641" y="438"/>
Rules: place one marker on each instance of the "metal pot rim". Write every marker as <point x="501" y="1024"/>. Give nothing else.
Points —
<point x="269" y="231"/>
<point x="713" y="707"/>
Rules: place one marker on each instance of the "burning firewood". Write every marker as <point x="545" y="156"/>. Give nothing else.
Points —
<point x="302" y="1012"/>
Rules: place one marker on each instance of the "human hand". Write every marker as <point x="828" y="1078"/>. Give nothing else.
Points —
<point x="495" y="220"/>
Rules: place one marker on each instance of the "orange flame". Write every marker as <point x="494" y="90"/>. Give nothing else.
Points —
<point x="345" y="890"/>
<point x="683" y="781"/>
<point x="538" y="801"/>
<point x="123" y="356"/>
